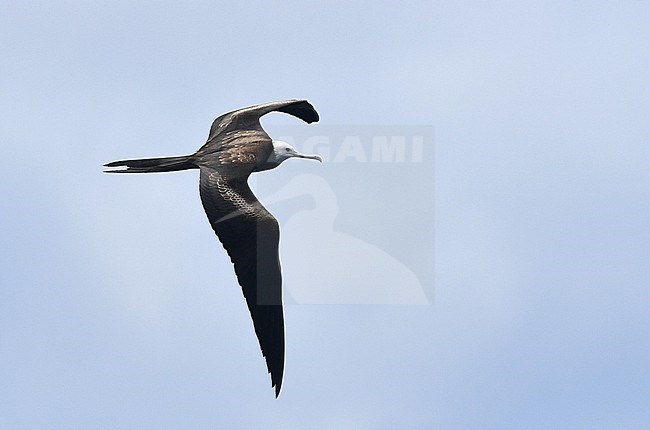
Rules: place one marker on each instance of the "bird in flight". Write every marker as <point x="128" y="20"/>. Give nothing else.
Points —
<point x="236" y="147"/>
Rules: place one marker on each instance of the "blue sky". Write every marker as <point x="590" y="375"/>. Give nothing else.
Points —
<point x="525" y="224"/>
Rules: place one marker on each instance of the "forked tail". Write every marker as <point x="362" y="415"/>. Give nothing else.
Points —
<point x="151" y="165"/>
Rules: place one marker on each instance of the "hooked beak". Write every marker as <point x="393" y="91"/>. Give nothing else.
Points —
<point x="310" y="157"/>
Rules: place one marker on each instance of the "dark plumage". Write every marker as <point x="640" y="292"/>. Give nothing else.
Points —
<point x="238" y="146"/>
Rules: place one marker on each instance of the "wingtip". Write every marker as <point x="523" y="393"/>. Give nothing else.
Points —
<point x="315" y="117"/>
<point x="307" y="111"/>
<point x="276" y="384"/>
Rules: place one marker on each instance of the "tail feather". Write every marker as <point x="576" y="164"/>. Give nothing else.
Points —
<point x="151" y="165"/>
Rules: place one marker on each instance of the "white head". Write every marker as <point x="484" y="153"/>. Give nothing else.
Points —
<point x="282" y="151"/>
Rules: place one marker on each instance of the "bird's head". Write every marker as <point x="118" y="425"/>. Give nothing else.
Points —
<point x="282" y="151"/>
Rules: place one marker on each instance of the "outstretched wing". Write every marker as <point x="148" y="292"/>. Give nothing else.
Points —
<point x="250" y="235"/>
<point x="249" y="117"/>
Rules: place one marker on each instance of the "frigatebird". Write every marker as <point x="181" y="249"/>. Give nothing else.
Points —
<point x="236" y="147"/>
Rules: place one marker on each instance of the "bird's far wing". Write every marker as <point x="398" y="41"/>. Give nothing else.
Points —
<point x="250" y="235"/>
<point x="249" y="116"/>
<point x="299" y="108"/>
